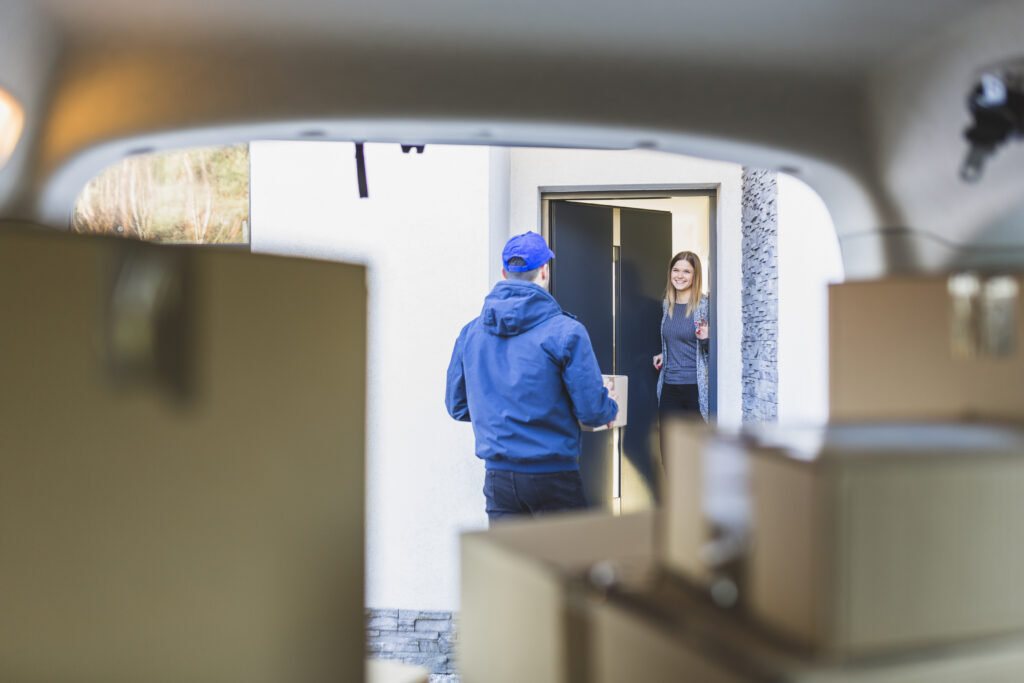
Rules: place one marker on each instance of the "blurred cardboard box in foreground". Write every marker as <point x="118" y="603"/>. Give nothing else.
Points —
<point x="887" y="537"/>
<point x="521" y="619"/>
<point x="927" y="348"/>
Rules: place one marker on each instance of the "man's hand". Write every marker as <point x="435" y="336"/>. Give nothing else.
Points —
<point x="615" y="397"/>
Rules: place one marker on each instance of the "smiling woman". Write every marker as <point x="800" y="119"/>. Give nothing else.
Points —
<point x="11" y="121"/>
<point x="683" y="361"/>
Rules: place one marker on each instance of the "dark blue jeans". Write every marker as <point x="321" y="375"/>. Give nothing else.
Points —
<point x="512" y="494"/>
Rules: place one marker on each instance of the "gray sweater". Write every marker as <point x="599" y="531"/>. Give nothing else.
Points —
<point x="703" y="351"/>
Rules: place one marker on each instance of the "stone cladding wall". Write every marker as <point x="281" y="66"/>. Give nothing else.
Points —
<point x="414" y="637"/>
<point x="760" y="299"/>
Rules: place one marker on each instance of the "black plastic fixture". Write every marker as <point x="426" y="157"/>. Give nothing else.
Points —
<point x="996" y="104"/>
<point x="361" y="171"/>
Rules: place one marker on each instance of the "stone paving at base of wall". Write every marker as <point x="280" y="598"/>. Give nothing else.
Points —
<point x="423" y="638"/>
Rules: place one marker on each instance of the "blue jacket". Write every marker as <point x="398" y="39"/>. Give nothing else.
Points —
<point x="524" y="373"/>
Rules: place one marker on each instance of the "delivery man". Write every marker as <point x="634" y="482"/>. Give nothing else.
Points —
<point x="524" y="373"/>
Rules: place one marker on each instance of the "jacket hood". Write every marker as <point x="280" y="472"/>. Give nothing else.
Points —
<point x="514" y="306"/>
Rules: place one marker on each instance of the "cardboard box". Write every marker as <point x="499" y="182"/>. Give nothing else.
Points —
<point x="922" y="349"/>
<point x="881" y="538"/>
<point x="664" y="633"/>
<point x="705" y="499"/>
<point x="392" y="671"/>
<point x="531" y="611"/>
<point x="213" y="537"/>
<point x="521" y="617"/>
<point x="618" y="387"/>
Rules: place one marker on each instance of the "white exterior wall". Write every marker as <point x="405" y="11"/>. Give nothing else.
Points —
<point x="809" y="260"/>
<point x="532" y="169"/>
<point x="423" y="234"/>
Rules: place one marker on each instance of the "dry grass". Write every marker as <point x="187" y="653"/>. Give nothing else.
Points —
<point x="193" y="196"/>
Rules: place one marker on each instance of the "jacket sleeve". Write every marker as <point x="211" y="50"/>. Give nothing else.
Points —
<point x="582" y="378"/>
<point x="455" y="392"/>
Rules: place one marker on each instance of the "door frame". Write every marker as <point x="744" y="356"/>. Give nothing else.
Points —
<point x="546" y="194"/>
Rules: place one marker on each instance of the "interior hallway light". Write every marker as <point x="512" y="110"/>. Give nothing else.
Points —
<point x="12" y="118"/>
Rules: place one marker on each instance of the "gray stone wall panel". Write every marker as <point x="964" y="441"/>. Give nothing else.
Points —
<point x="760" y="296"/>
<point x="425" y="638"/>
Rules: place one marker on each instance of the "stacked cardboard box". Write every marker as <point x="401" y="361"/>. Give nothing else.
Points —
<point x="927" y="348"/>
<point x="524" y="607"/>
<point x="894" y="528"/>
<point x="888" y="537"/>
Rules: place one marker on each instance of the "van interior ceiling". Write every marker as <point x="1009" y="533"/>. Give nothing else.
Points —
<point x="870" y="117"/>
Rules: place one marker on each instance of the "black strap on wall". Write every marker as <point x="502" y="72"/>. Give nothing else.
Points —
<point x="361" y="171"/>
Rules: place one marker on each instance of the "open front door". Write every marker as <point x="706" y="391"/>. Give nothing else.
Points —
<point x="609" y="271"/>
<point x="582" y="282"/>
<point x="645" y="249"/>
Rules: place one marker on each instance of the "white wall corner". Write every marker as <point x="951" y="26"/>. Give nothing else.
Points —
<point x="499" y="229"/>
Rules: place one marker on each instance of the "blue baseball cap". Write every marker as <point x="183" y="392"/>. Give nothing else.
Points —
<point x="530" y="247"/>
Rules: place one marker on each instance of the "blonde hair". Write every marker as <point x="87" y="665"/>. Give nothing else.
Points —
<point x="696" y="284"/>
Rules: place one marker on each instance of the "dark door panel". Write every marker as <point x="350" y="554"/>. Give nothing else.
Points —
<point x="581" y="281"/>
<point x="646" y="248"/>
<point x="622" y="313"/>
<point x="581" y="274"/>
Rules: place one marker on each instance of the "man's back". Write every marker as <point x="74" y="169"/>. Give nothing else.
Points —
<point x="524" y="373"/>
